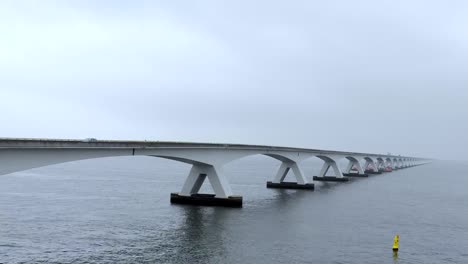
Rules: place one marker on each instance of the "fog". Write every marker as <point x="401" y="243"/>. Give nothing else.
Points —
<point x="365" y="76"/>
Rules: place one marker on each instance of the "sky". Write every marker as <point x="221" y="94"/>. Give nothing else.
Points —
<point x="365" y="75"/>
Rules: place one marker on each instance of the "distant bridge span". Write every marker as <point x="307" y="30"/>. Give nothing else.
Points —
<point x="207" y="161"/>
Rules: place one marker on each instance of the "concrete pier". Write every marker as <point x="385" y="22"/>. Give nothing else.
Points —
<point x="373" y="172"/>
<point x="290" y="185"/>
<point x="355" y="175"/>
<point x="330" y="179"/>
<point x="207" y="200"/>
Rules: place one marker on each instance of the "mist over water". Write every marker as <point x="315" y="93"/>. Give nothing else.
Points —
<point x="357" y="76"/>
<point x="117" y="210"/>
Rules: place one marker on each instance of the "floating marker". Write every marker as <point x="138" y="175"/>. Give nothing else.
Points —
<point x="395" y="243"/>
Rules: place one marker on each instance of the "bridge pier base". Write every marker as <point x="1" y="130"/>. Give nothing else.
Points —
<point x="279" y="183"/>
<point x="290" y="185"/>
<point x="374" y="172"/>
<point x="330" y="179"/>
<point x="222" y="196"/>
<point x="355" y="175"/>
<point x="206" y="200"/>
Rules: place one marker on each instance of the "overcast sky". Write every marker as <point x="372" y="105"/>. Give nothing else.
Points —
<point x="368" y="76"/>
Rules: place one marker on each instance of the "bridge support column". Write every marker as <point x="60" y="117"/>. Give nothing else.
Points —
<point x="380" y="166"/>
<point x="330" y="163"/>
<point x="279" y="183"/>
<point x="354" y="163"/>
<point x="388" y="165"/>
<point x="371" y="167"/>
<point x="223" y="194"/>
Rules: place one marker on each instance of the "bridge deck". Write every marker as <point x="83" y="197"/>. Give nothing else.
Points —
<point x="15" y="143"/>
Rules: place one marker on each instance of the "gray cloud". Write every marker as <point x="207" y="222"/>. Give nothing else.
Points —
<point x="376" y="76"/>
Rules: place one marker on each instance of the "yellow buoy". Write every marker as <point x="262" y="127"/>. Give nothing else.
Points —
<point x="395" y="242"/>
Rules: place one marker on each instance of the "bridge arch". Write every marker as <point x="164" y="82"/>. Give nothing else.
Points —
<point x="207" y="159"/>
<point x="371" y="164"/>
<point x="354" y="162"/>
<point x="15" y="160"/>
<point x="352" y="158"/>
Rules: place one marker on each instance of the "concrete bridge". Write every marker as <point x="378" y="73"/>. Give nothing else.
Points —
<point x="207" y="161"/>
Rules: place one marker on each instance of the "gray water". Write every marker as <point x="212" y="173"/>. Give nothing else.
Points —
<point x="117" y="210"/>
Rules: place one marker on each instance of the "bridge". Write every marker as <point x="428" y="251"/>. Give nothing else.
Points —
<point x="207" y="160"/>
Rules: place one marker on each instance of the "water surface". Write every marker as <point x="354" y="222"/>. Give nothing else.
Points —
<point x="117" y="210"/>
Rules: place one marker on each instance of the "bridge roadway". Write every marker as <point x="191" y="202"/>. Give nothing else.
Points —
<point x="207" y="160"/>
